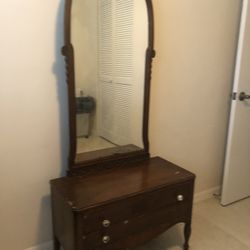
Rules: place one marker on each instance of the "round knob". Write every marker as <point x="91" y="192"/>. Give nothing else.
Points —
<point x="243" y="96"/>
<point x="125" y="222"/>
<point x="180" y="197"/>
<point x="105" y="239"/>
<point x="106" y="223"/>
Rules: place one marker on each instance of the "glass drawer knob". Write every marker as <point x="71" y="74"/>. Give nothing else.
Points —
<point x="106" y="223"/>
<point x="105" y="239"/>
<point x="180" y="198"/>
<point x="125" y="222"/>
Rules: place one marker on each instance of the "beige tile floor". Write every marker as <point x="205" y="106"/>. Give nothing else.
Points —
<point x="92" y="143"/>
<point x="214" y="228"/>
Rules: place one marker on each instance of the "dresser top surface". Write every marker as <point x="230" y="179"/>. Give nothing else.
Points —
<point x="83" y="192"/>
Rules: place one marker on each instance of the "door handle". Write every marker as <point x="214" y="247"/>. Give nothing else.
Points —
<point x="243" y="96"/>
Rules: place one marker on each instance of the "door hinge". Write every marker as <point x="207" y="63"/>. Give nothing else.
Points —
<point x="234" y="95"/>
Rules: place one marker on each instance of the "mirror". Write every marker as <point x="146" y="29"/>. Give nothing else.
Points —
<point x="110" y="41"/>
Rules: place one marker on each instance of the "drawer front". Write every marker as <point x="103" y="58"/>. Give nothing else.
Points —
<point x="105" y="217"/>
<point x="110" y="238"/>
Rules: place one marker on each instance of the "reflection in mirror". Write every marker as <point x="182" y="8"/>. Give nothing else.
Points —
<point x="110" y="38"/>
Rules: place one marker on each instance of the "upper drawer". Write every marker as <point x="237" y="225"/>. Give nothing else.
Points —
<point x="105" y="216"/>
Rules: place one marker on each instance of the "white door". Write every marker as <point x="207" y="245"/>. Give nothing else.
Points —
<point x="123" y="40"/>
<point x="236" y="181"/>
<point x="115" y="69"/>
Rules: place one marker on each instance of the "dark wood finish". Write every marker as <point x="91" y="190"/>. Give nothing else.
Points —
<point x="105" y="153"/>
<point x="134" y="206"/>
<point x="84" y="191"/>
<point x="139" y="197"/>
<point x="150" y="54"/>
<point x="68" y="51"/>
<point x="127" y="153"/>
<point x="138" y="224"/>
<point x="117" y="161"/>
<point x="56" y="244"/>
<point x="187" y="234"/>
<point x="140" y="201"/>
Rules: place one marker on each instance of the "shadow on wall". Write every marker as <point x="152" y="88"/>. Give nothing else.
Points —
<point x="44" y="233"/>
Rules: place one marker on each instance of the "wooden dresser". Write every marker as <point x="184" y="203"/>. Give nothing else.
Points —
<point x="121" y="208"/>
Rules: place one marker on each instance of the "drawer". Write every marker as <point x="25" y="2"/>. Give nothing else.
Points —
<point x="164" y="218"/>
<point x="105" y="217"/>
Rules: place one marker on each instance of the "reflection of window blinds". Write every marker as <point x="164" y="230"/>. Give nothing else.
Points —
<point x="116" y="69"/>
<point x="105" y="38"/>
<point x="123" y="40"/>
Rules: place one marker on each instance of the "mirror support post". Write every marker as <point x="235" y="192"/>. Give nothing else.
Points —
<point x="150" y="54"/>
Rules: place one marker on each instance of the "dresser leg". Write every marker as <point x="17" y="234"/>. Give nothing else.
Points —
<point x="187" y="233"/>
<point x="56" y="244"/>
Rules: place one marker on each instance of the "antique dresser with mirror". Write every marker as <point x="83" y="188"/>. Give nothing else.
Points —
<point x="115" y="196"/>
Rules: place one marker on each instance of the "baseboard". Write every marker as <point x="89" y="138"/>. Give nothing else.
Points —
<point x="45" y="246"/>
<point x="207" y="194"/>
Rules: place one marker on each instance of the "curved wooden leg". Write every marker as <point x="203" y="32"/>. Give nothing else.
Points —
<point x="56" y="244"/>
<point x="187" y="233"/>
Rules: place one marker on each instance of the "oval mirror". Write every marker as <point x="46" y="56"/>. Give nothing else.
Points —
<point x="109" y="49"/>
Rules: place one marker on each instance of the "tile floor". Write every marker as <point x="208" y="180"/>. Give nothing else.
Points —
<point x="214" y="228"/>
<point x="92" y="143"/>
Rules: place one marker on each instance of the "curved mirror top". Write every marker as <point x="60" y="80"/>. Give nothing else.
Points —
<point x="110" y="39"/>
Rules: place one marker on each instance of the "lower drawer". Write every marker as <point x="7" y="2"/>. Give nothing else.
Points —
<point x="109" y="238"/>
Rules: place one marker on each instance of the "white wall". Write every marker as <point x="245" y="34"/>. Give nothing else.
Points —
<point x="84" y="40"/>
<point x="192" y="77"/>
<point x="195" y="41"/>
<point x="83" y="37"/>
<point x="33" y="115"/>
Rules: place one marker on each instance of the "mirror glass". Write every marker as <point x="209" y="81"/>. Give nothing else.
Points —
<point x="110" y="38"/>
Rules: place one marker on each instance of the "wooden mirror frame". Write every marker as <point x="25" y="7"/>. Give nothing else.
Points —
<point x="117" y="159"/>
